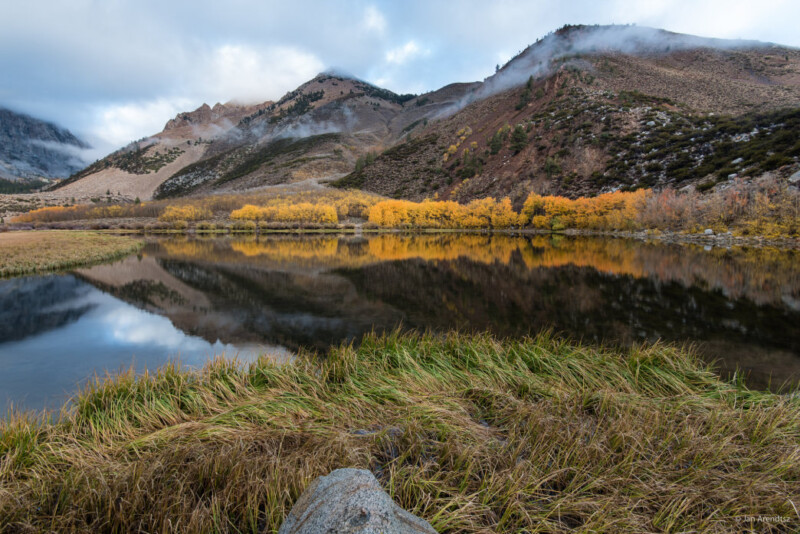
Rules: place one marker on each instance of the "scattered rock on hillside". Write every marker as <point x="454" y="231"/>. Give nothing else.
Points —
<point x="350" y="501"/>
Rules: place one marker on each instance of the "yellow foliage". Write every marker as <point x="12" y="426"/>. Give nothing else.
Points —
<point x="304" y="212"/>
<point x="609" y="211"/>
<point x="184" y="213"/>
<point x="481" y="213"/>
<point x="48" y="214"/>
<point x="247" y="212"/>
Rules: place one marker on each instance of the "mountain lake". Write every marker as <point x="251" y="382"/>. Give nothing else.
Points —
<point x="189" y="299"/>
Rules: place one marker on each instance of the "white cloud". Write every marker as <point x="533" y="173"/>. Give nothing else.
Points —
<point x="120" y="124"/>
<point x="374" y="19"/>
<point x="230" y="72"/>
<point x="404" y="53"/>
<point x="247" y="74"/>
<point x="711" y="18"/>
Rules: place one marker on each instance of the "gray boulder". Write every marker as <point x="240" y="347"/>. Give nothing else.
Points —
<point x="350" y="501"/>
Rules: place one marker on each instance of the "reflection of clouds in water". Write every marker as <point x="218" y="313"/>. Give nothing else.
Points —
<point x="127" y="325"/>
<point x="109" y="335"/>
<point x="135" y="327"/>
<point x="85" y="297"/>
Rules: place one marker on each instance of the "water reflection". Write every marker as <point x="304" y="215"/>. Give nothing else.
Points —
<point x="198" y="296"/>
<point x="740" y="305"/>
<point x="70" y="330"/>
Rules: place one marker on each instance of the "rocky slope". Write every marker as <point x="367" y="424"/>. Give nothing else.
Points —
<point x="583" y="110"/>
<point x="137" y="169"/>
<point x="591" y="109"/>
<point x="318" y="130"/>
<point x="33" y="151"/>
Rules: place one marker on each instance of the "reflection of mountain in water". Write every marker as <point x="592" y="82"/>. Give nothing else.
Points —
<point x="34" y="305"/>
<point x="316" y="291"/>
<point x="286" y="308"/>
<point x="512" y="300"/>
<point x="241" y="303"/>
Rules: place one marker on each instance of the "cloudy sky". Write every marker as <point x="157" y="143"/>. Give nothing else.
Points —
<point x="116" y="70"/>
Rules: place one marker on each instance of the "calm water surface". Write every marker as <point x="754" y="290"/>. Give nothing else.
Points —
<point x="190" y="299"/>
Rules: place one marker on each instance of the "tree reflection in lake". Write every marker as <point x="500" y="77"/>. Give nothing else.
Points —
<point x="740" y="307"/>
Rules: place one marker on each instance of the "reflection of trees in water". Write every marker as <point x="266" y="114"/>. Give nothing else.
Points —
<point x="278" y="307"/>
<point x="761" y="275"/>
<point x="316" y="290"/>
<point x="513" y="299"/>
<point x="34" y="305"/>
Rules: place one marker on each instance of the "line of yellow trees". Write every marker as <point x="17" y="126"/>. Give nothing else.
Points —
<point x="616" y="210"/>
<point x="766" y="207"/>
<point x="304" y="212"/>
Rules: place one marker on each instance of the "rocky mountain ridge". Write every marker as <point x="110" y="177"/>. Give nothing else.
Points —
<point x="590" y="119"/>
<point x="33" y="151"/>
<point x="583" y="110"/>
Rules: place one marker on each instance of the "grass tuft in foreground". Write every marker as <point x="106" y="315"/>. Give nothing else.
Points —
<point x="31" y="252"/>
<point x="472" y="433"/>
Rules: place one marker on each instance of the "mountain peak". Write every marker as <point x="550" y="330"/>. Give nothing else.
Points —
<point x="205" y="115"/>
<point x="33" y="148"/>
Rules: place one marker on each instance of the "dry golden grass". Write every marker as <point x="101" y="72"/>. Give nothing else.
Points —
<point x="472" y="433"/>
<point x="30" y="252"/>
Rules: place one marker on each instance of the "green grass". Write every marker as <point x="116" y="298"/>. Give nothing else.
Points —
<point x="42" y="251"/>
<point x="472" y="433"/>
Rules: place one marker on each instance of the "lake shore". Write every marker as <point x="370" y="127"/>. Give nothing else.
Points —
<point x="726" y="239"/>
<point x="139" y="227"/>
<point x="472" y="433"/>
<point x="46" y="251"/>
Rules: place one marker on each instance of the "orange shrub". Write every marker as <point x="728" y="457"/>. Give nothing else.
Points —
<point x="609" y="211"/>
<point x="481" y="213"/>
<point x="184" y="213"/>
<point x="48" y="214"/>
<point x="304" y="212"/>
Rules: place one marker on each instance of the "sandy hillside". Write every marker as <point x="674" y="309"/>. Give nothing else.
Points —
<point x="127" y="184"/>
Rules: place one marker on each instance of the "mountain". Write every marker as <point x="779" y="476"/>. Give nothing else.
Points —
<point x="33" y="151"/>
<point x="319" y="130"/>
<point x="592" y="109"/>
<point x="137" y="169"/>
<point x="583" y="110"/>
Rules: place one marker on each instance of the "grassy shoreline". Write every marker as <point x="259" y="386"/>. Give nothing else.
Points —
<point x="721" y="240"/>
<point x="46" y="251"/>
<point x="472" y="433"/>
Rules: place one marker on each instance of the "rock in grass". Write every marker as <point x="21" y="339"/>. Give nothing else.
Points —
<point x="350" y="501"/>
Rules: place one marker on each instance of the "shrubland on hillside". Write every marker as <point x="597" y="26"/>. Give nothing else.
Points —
<point x="594" y="109"/>
<point x="583" y="110"/>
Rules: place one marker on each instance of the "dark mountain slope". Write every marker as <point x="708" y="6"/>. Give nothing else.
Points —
<point x="593" y="114"/>
<point x="32" y="150"/>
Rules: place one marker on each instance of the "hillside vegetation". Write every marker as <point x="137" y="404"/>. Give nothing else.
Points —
<point x="574" y="138"/>
<point x="765" y="207"/>
<point x="583" y="110"/>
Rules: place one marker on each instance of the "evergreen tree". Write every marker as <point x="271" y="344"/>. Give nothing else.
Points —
<point x="519" y="139"/>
